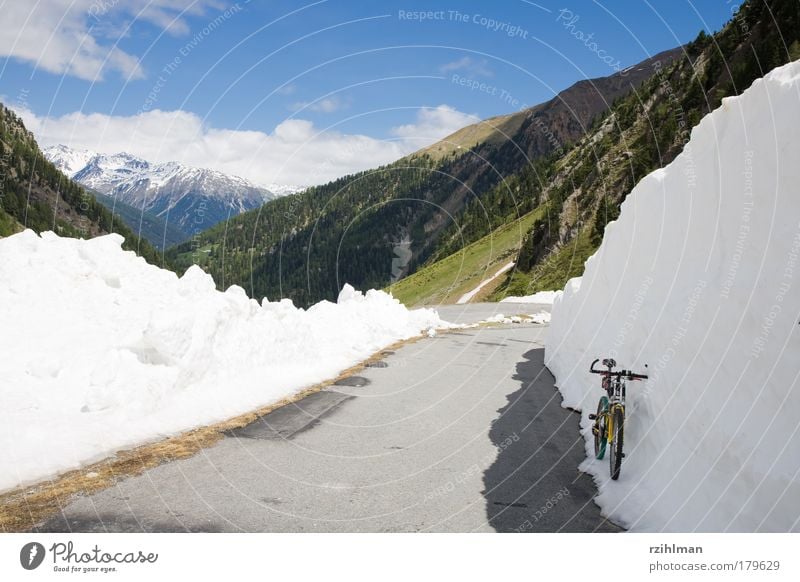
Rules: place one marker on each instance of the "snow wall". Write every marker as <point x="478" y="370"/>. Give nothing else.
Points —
<point x="699" y="280"/>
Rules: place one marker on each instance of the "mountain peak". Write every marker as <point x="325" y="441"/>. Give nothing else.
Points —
<point x="68" y="160"/>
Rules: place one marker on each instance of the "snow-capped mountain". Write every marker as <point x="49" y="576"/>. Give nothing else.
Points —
<point x="284" y="189"/>
<point x="68" y="160"/>
<point x="192" y="199"/>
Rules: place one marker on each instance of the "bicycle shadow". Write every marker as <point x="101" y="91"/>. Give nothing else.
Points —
<point x="534" y="484"/>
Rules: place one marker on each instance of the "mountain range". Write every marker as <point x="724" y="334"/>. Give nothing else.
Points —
<point x="535" y="187"/>
<point x="178" y="197"/>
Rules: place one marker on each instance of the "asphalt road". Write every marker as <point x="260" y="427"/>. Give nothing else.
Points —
<point x="463" y="432"/>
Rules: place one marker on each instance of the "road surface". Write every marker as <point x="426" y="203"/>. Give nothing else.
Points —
<point x="462" y="432"/>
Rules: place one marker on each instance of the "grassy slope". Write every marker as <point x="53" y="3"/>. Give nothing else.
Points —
<point x="552" y="273"/>
<point x="494" y="128"/>
<point x="448" y="279"/>
<point x="8" y="224"/>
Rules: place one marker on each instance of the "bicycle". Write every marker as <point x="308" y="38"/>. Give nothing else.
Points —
<point x="609" y="422"/>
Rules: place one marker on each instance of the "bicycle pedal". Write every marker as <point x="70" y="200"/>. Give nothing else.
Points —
<point x="592" y="417"/>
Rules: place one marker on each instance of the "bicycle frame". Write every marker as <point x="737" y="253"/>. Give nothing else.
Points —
<point x="616" y="401"/>
<point x="609" y="422"/>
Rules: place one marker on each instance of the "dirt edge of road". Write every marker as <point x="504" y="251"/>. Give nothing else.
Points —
<point x="22" y="508"/>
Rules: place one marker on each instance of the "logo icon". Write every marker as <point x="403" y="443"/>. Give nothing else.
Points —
<point x="32" y="555"/>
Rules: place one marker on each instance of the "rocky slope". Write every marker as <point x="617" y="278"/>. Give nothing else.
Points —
<point x="642" y="133"/>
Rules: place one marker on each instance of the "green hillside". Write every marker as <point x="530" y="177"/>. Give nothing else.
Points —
<point x="150" y="227"/>
<point x="446" y="280"/>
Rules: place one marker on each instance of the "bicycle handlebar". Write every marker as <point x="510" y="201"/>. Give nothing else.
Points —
<point x="622" y="373"/>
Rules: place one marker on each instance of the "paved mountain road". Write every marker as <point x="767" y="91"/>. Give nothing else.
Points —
<point x="461" y="432"/>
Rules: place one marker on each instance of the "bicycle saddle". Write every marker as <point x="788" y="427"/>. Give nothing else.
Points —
<point x="609" y="362"/>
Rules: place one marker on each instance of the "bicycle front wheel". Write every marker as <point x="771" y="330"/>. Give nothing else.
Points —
<point x="600" y="428"/>
<point x="618" y="432"/>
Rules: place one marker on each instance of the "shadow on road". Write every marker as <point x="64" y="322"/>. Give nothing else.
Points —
<point x="534" y="484"/>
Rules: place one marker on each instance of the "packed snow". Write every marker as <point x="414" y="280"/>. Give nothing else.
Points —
<point x="541" y="317"/>
<point x="543" y="297"/>
<point x="102" y="351"/>
<point x="698" y="280"/>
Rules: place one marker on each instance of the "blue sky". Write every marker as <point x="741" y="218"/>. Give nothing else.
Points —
<point x="214" y="83"/>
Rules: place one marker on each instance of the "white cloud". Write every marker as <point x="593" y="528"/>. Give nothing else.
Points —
<point x="433" y="124"/>
<point x="294" y="153"/>
<point x="467" y="64"/>
<point x="72" y="36"/>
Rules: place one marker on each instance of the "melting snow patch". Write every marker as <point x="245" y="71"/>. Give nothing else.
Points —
<point x="544" y="297"/>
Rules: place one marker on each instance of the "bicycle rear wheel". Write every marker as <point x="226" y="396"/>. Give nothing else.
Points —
<point x="618" y="429"/>
<point x="600" y="430"/>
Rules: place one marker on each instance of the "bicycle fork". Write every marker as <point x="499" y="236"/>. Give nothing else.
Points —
<point x="610" y="420"/>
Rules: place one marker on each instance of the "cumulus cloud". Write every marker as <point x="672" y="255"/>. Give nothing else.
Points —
<point x="77" y="37"/>
<point x="294" y="153"/>
<point x="433" y="124"/>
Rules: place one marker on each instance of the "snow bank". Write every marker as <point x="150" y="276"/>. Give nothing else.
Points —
<point x="101" y="351"/>
<point x="699" y="278"/>
<point x="541" y="317"/>
<point x="544" y="297"/>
